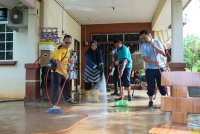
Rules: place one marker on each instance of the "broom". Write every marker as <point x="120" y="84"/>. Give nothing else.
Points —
<point x="121" y="103"/>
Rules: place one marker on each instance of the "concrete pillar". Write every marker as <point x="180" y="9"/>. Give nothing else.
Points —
<point x="33" y="30"/>
<point x="177" y="36"/>
<point x="32" y="82"/>
<point x="32" y="85"/>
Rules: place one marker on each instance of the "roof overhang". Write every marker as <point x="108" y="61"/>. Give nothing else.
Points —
<point x="162" y="16"/>
<point x="12" y="3"/>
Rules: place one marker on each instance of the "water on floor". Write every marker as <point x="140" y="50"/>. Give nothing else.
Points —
<point x="15" y="118"/>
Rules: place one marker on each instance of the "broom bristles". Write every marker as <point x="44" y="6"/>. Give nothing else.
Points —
<point x="121" y="103"/>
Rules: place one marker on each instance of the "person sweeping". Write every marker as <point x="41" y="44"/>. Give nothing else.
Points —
<point x="152" y="52"/>
<point x="125" y="67"/>
<point x="59" y="76"/>
<point x="93" y="69"/>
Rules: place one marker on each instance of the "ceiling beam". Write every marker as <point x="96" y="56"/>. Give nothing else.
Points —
<point x="29" y="3"/>
<point x="9" y="3"/>
<point x="40" y="1"/>
<point x="158" y="11"/>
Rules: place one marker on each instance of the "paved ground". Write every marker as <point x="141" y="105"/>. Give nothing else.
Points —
<point x="15" y="118"/>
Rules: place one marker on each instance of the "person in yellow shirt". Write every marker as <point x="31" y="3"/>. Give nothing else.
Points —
<point x="62" y="56"/>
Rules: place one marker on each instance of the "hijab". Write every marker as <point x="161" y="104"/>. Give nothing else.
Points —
<point x="95" y="55"/>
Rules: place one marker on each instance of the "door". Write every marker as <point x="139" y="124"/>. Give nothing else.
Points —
<point x="106" y="48"/>
<point x="77" y="65"/>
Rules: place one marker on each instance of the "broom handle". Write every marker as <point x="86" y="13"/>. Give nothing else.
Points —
<point x="156" y="60"/>
<point x="109" y="74"/>
<point x="159" y="68"/>
<point x="108" y="78"/>
<point x="120" y="84"/>
<point x="62" y="89"/>
<point x="46" y="80"/>
<point x="61" y="92"/>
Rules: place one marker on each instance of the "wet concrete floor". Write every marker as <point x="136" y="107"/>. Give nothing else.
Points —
<point x="17" y="118"/>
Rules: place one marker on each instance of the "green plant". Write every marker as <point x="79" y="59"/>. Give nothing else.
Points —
<point x="192" y="52"/>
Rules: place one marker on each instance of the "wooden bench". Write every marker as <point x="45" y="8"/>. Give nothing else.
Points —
<point x="180" y="103"/>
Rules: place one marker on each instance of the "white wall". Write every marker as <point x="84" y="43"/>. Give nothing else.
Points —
<point x="12" y="78"/>
<point x="52" y="17"/>
<point x="55" y="16"/>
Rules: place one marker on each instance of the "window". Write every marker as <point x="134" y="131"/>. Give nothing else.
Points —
<point x="112" y="37"/>
<point x="131" y="37"/>
<point x="99" y="37"/>
<point x="6" y="43"/>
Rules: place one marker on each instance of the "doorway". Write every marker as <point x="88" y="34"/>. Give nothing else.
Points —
<point x="77" y="65"/>
<point x="106" y="48"/>
<point x="131" y="40"/>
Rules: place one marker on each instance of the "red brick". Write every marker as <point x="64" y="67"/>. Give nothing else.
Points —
<point x="32" y="91"/>
<point x="179" y="117"/>
<point x="186" y="105"/>
<point x="166" y="104"/>
<point x="176" y="104"/>
<point x="196" y="105"/>
<point x="32" y="71"/>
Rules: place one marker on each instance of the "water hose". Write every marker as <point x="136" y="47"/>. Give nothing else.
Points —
<point x="63" y="108"/>
<point x="37" y="60"/>
<point x="72" y="126"/>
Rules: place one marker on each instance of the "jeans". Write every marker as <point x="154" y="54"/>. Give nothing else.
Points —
<point x="126" y="77"/>
<point x="116" y="80"/>
<point x="153" y="75"/>
<point x="57" y="81"/>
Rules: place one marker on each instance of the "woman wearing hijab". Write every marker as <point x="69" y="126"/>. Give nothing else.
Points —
<point x="93" y="69"/>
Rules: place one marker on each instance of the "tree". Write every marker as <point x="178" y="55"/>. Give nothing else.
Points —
<point x="192" y="52"/>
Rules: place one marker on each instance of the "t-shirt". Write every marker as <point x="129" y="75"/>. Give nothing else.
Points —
<point x="124" y="53"/>
<point x="147" y="50"/>
<point x="59" y="55"/>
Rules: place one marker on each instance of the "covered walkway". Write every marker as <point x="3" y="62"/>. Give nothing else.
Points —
<point x="85" y="20"/>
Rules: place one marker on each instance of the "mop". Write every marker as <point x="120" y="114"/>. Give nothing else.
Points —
<point x="55" y="109"/>
<point x="121" y="103"/>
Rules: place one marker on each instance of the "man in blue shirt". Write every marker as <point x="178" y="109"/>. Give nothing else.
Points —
<point x="125" y="66"/>
<point x="152" y="52"/>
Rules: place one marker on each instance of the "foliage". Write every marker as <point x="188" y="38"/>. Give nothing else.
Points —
<point x="192" y="52"/>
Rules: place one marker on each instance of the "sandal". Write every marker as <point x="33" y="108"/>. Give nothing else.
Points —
<point x="71" y="101"/>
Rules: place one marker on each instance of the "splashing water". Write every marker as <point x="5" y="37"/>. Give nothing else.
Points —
<point x="101" y="85"/>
